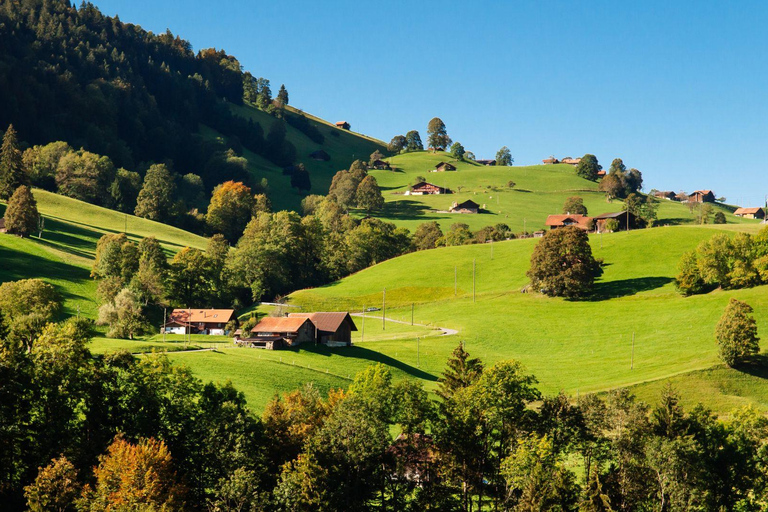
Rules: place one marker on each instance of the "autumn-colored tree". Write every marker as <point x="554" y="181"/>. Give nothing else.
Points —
<point x="12" y="174"/>
<point x="736" y="333"/>
<point x="562" y="264"/>
<point x="55" y="489"/>
<point x="230" y="210"/>
<point x="156" y="198"/>
<point x="21" y="216"/>
<point x="134" y="477"/>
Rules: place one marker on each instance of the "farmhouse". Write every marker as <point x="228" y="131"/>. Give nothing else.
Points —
<point x="551" y="160"/>
<point x="3" y="229"/>
<point x="468" y="206"/>
<point x="601" y="173"/>
<point x="571" y="161"/>
<point x="487" y="163"/>
<point x="320" y="155"/>
<point x="279" y="332"/>
<point x="332" y="329"/>
<point x="444" y="166"/>
<point x="621" y="217"/>
<point x="701" y="196"/>
<point x="198" y="321"/>
<point x="670" y="196"/>
<point x="423" y="188"/>
<point x="750" y="213"/>
<point x="571" y="219"/>
<point x="381" y="165"/>
<point x="343" y="125"/>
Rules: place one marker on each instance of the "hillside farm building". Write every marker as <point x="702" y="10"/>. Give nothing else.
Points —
<point x="468" y="206"/>
<point x="343" y="125"/>
<point x="701" y="196"/>
<point x="487" y="163"/>
<point x="381" y="165"/>
<point x="423" y="188"/>
<point x="621" y="217"/>
<point x="198" y="321"/>
<point x="332" y="329"/>
<point x="571" y="161"/>
<point x="571" y="219"/>
<point x="670" y="196"/>
<point x="601" y="174"/>
<point x="750" y="213"/>
<point x="551" y="160"/>
<point x="444" y="166"/>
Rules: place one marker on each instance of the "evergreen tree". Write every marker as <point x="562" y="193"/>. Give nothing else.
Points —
<point x="437" y="135"/>
<point x="736" y="333"/>
<point x="21" y="216"/>
<point x="156" y="197"/>
<point x="12" y="174"/>
<point x="300" y="179"/>
<point x="282" y="95"/>
<point x="460" y="373"/>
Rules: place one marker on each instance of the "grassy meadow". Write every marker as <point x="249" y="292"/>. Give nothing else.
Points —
<point x="539" y="190"/>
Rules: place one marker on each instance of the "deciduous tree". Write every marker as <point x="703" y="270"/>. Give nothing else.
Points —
<point x="457" y="151"/>
<point x="397" y="144"/>
<point x="427" y="236"/>
<point x="562" y="264"/>
<point x="230" y="209"/>
<point x="156" y="199"/>
<point x="736" y="333"/>
<point x="413" y="141"/>
<point x="21" y="216"/>
<point x="588" y="167"/>
<point x="437" y="135"/>
<point x="56" y="488"/>
<point x="575" y="205"/>
<point x="368" y="195"/>
<point x="504" y="156"/>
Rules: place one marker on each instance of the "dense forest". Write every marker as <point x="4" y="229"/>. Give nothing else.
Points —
<point x="74" y="75"/>
<point x="117" y="432"/>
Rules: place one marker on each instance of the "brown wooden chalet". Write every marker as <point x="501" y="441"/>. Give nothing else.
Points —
<point x="199" y="321"/>
<point x="320" y="156"/>
<point x="279" y="332"/>
<point x="571" y="219"/>
<point x="343" y="125"/>
<point x="332" y="329"/>
<point x="487" y="163"/>
<point x="423" y="188"/>
<point x="666" y="194"/>
<point x="444" y="166"/>
<point x="750" y="213"/>
<point x="381" y="165"/>
<point x="551" y="160"/>
<point x="701" y="196"/>
<point x="468" y="206"/>
<point x="621" y="217"/>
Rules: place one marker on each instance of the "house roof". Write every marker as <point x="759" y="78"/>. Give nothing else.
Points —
<point x="570" y="160"/>
<point x="202" y="316"/>
<point x="575" y="218"/>
<point x="446" y="165"/>
<point x="704" y="192"/>
<point x="485" y="162"/>
<point x="550" y="160"/>
<point x="613" y="215"/>
<point x="601" y="172"/>
<point x="325" y="321"/>
<point x="340" y="123"/>
<point x="743" y="211"/>
<point x="467" y="204"/>
<point x="424" y="184"/>
<point x="280" y="324"/>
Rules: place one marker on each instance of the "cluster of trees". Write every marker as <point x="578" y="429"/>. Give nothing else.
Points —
<point x="140" y="433"/>
<point x="562" y="264"/>
<point x="620" y="182"/>
<point x="355" y="188"/>
<point x="26" y="306"/>
<point x="117" y="90"/>
<point x="727" y="262"/>
<point x="429" y="235"/>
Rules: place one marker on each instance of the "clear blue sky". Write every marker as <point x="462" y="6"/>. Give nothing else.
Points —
<point x="675" y="89"/>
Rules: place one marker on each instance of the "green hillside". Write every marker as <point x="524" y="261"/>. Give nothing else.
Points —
<point x="64" y="254"/>
<point x="539" y="190"/>
<point x="342" y="146"/>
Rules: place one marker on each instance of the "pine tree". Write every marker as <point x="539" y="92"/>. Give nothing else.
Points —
<point x="282" y="95"/>
<point x="461" y="372"/>
<point x="12" y="174"/>
<point x="21" y="216"/>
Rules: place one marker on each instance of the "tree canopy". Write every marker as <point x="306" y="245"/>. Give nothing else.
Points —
<point x="562" y="264"/>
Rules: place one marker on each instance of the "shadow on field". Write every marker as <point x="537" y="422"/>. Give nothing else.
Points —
<point x="358" y="352"/>
<point x="675" y="221"/>
<point x="625" y="287"/>
<point x="405" y="209"/>
<point x="757" y="367"/>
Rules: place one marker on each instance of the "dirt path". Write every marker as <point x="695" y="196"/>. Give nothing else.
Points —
<point x="445" y="330"/>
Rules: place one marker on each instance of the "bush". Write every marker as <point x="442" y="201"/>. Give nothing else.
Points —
<point x="719" y="218"/>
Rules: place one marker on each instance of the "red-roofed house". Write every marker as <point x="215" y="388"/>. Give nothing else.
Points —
<point x="198" y="321"/>
<point x="551" y="160"/>
<point x="750" y="213"/>
<point x="571" y="161"/>
<point x="279" y="332"/>
<point x="423" y="188"/>
<point x="572" y="219"/>
<point x="343" y="125"/>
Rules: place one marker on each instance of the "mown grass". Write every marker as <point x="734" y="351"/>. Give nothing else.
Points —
<point x="539" y="190"/>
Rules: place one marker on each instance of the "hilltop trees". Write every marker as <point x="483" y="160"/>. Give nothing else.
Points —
<point x="588" y="167"/>
<point x="397" y="144"/>
<point x="12" y="174"/>
<point x="562" y="264"/>
<point x="155" y="200"/>
<point x="437" y="135"/>
<point x="282" y="95"/>
<point x="504" y="157"/>
<point x="230" y="209"/>
<point x="21" y="216"/>
<point x="457" y="151"/>
<point x="620" y="182"/>
<point x="413" y="141"/>
<point x="736" y="333"/>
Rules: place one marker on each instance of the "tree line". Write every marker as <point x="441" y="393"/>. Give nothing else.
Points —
<point x="141" y="433"/>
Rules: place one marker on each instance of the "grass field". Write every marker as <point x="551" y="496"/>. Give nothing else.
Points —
<point x="539" y="191"/>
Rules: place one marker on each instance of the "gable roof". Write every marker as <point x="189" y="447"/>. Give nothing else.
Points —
<point x="563" y="220"/>
<point x="446" y="165"/>
<point x="613" y="215"/>
<point x="467" y="204"/>
<point x="744" y="211"/>
<point x="703" y="192"/>
<point x="326" y="321"/>
<point x="424" y="184"/>
<point x="280" y="324"/>
<point x="202" y="316"/>
<point x="341" y="123"/>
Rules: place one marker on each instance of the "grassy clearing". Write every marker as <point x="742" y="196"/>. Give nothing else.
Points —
<point x="539" y="190"/>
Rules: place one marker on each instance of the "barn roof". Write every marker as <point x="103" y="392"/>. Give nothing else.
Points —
<point x="743" y="211"/>
<point x="193" y="315"/>
<point x="575" y="218"/>
<point x="326" y="321"/>
<point x="613" y="215"/>
<point x="467" y="204"/>
<point x="704" y="192"/>
<point x="280" y="324"/>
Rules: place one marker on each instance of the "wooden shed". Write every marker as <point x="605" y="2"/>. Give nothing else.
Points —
<point x="750" y="213"/>
<point x="468" y="206"/>
<point x="343" y="125"/>
<point x="423" y="188"/>
<point x="331" y="328"/>
<point x="444" y="166"/>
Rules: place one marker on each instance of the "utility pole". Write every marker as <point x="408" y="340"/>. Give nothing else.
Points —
<point x="384" y="310"/>
<point x="473" y="280"/>
<point x="125" y="229"/>
<point x="632" y="359"/>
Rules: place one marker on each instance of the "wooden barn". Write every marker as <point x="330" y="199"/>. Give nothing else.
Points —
<point x="487" y="163"/>
<point x="666" y="194"/>
<point x="279" y="332"/>
<point x="621" y="217"/>
<point x="444" y="166"/>
<point x="701" y="196"/>
<point x="332" y="329"/>
<point x="750" y="213"/>
<point x="551" y="160"/>
<point x="571" y="219"/>
<point x="381" y="165"/>
<point x="468" y="206"/>
<point x="423" y="188"/>
<point x="601" y="173"/>
<point x="343" y="125"/>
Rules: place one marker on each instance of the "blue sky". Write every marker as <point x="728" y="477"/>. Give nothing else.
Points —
<point x="675" y="89"/>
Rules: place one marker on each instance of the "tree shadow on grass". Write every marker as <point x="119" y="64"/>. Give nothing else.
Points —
<point x="674" y="221"/>
<point x="404" y="209"/>
<point x="357" y="352"/>
<point x="757" y="366"/>
<point x="626" y="287"/>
